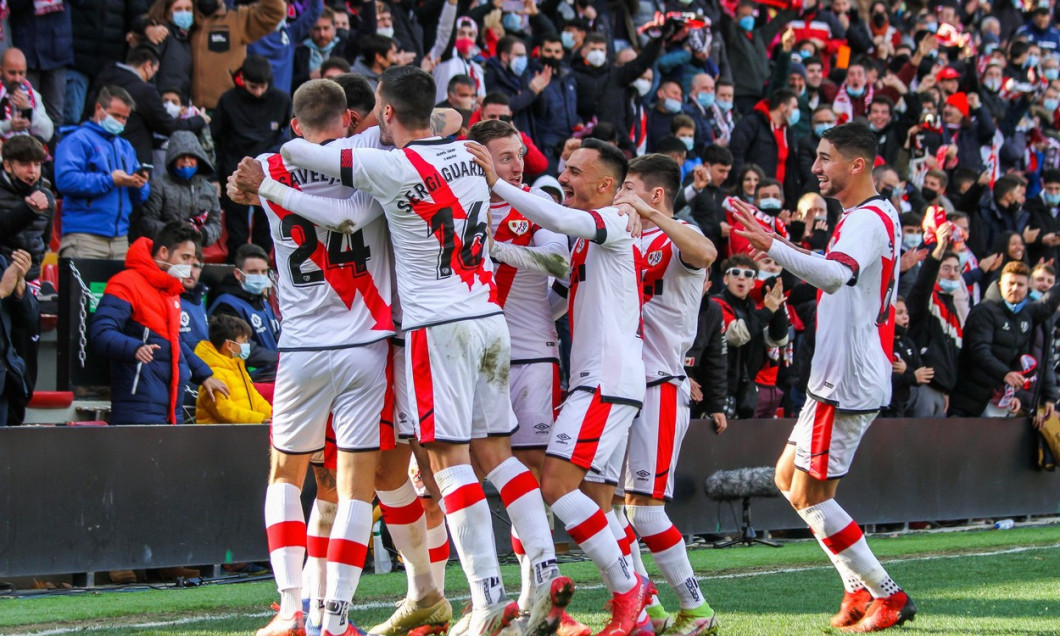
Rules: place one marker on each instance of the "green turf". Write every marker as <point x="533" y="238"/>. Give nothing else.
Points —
<point x="1013" y="593"/>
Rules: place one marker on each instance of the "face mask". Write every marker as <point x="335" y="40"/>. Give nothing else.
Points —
<point x="821" y="129"/>
<point x="567" y="38"/>
<point x="928" y="194"/>
<point x="1052" y="199"/>
<point x="256" y="283"/>
<point x="344" y="34"/>
<point x="1051" y="104"/>
<point x="186" y="172"/>
<point x="912" y="241"/>
<point x="512" y="22"/>
<point x="855" y="92"/>
<point x="764" y="275"/>
<point x="1032" y="60"/>
<point x="706" y="100"/>
<point x="672" y="105"/>
<point x="172" y="109"/>
<point x="747" y="22"/>
<point x="111" y="125"/>
<point x="949" y="286"/>
<point x="465" y="46"/>
<point x="1034" y="294"/>
<point x="244" y="349"/>
<point x="962" y="258"/>
<point x="769" y="204"/>
<point x="686" y="2"/>
<point x="688" y="141"/>
<point x="899" y="330"/>
<point x="992" y="84"/>
<point x="596" y="58"/>
<point x="887" y="193"/>
<point x="642" y="86"/>
<point x="385" y="31"/>
<point x="183" y="19"/>
<point x="180" y="272"/>
<point x="519" y="64"/>
<point x="1016" y="308"/>
<point x="724" y="105"/>
<point x="208" y="7"/>
<point x="1051" y="73"/>
<point x="878" y="20"/>
<point x="794" y="117"/>
<point x="932" y="27"/>
<point x="804" y="54"/>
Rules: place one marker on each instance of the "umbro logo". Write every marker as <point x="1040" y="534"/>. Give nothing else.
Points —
<point x="542" y="426"/>
<point x="563" y="438"/>
<point x="643" y="474"/>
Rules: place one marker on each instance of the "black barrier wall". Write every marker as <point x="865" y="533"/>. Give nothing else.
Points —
<point x="109" y="498"/>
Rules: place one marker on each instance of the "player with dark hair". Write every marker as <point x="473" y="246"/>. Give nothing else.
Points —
<point x="851" y="369"/>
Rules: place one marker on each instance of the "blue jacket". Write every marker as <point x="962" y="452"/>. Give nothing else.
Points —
<point x="194" y="327"/>
<point x="47" y="40"/>
<point x="278" y="47"/>
<point x="516" y="87"/>
<point x="263" y="322"/>
<point x="83" y="163"/>
<point x="555" y="113"/>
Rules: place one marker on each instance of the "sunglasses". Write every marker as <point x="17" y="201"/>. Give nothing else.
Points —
<point x="737" y="272"/>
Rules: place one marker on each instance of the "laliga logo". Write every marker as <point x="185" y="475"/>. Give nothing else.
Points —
<point x="256" y="321"/>
<point x="519" y="227"/>
<point x="654" y="258"/>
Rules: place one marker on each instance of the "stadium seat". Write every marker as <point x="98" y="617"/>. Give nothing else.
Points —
<point x="57" y="227"/>
<point x="51" y="400"/>
<point x="88" y="423"/>
<point x="218" y="252"/>
<point x="50" y="272"/>
<point x="266" y="389"/>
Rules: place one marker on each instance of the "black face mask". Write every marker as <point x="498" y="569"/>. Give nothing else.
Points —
<point x="342" y="34"/>
<point x="1014" y="208"/>
<point x="878" y="20"/>
<point x="887" y="193"/>
<point x="551" y="61"/>
<point x="18" y="185"/>
<point x="207" y="7"/>
<point x="928" y="194"/>
<point x="899" y="330"/>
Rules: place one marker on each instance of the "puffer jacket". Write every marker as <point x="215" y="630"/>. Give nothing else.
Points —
<point x="21" y="227"/>
<point x="753" y="141"/>
<point x="99" y="29"/>
<point x="244" y="406"/>
<point x="141" y="305"/>
<point x="46" y="39"/>
<point x="174" y="199"/>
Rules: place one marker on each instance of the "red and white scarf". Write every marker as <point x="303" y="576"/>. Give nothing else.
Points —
<point x="950" y="322"/>
<point x="43" y="7"/>
<point x="843" y="104"/>
<point x="4" y="95"/>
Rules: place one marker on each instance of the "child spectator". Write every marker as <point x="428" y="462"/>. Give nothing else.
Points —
<point x="26" y="202"/>
<point x="908" y="373"/>
<point x="224" y="352"/>
<point x="182" y="192"/>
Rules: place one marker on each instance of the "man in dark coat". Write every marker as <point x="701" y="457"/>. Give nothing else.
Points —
<point x="603" y="88"/>
<point x="765" y="137"/>
<point x="245" y="294"/>
<point x="18" y="310"/>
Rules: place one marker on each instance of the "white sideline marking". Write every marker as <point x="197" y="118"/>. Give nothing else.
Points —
<point x="384" y="604"/>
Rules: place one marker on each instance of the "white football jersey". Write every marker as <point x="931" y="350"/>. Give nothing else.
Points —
<point x="334" y="288"/>
<point x="672" y="293"/>
<point x="523" y="292"/>
<point x="604" y="312"/>
<point x="851" y="365"/>
<point x="435" y="200"/>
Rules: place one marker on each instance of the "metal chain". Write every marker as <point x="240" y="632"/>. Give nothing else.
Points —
<point x="86" y="295"/>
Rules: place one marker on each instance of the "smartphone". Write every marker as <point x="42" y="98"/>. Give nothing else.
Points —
<point x="145" y="169"/>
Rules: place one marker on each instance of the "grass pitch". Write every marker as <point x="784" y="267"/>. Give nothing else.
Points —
<point x="975" y="582"/>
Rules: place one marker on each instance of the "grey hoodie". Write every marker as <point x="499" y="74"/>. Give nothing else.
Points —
<point x="174" y="199"/>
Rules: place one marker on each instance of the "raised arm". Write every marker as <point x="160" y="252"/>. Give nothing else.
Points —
<point x="548" y="254"/>
<point x="552" y="215"/>
<point x="343" y="215"/>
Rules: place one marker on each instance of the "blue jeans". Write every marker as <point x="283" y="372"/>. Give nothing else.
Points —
<point x="76" y="91"/>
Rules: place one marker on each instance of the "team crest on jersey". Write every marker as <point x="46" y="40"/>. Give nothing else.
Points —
<point x="255" y="320"/>
<point x="655" y="257"/>
<point x="519" y="226"/>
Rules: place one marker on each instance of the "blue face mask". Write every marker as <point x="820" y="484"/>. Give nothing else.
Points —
<point x="706" y="100"/>
<point x="111" y="125"/>
<point x="912" y="241"/>
<point x="1052" y="199"/>
<point x="183" y="19"/>
<point x="1034" y="294"/>
<point x="688" y="141"/>
<point x="567" y="38"/>
<point x="519" y="64"/>
<point x="1051" y="104"/>
<point x="1051" y="73"/>
<point x="855" y="92"/>
<point x="256" y="284"/>
<point x="747" y="22"/>
<point x="794" y="117"/>
<point x="186" y="172"/>
<point x="932" y="27"/>
<point x="672" y="105"/>
<point x="769" y="204"/>
<point x="512" y="22"/>
<point x="1032" y="60"/>
<point x="724" y="105"/>
<point x="821" y="129"/>
<point x="949" y="286"/>
<point x="1018" y="307"/>
<point x="244" y="349"/>
<point x="804" y="54"/>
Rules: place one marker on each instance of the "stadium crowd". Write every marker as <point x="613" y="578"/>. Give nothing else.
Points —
<point x="142" y="109"/>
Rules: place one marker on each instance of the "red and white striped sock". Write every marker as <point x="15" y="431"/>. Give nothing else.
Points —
<point x="634" y="544"/>
<point x="587" y="525"/>
<point x="407" y="523"/>
<point x="469" y="520"/>
<point x="620" y="535"/>
<point x="526" y="508"/>
<point x="438" y="548"/>
<point x="314" y="574"/>
<point x="851" y="581"/>
<point x="347" y="550"/>
<point x="668" y="549"/>
<point x="285" y="528"/>
<point x="840" y="536"/>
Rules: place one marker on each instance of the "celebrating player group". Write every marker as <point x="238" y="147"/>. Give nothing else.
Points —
<point x="420" y="281"/>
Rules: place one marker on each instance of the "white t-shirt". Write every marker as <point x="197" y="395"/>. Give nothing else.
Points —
<point x="672" y="292"/>
<point x="851" y="365"/>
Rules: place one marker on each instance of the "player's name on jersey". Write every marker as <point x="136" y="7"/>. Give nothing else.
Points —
<point x="449" y="173"/>
<point x="302" y="176"/>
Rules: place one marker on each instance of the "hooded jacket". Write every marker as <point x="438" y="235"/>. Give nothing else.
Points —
<point x="174" y="199"/>
<point x="753" y="141"/>
<point x="219" y="44"/>
<point x="244" y="406"/>
<point x="92" y="203"/>
<point x="21" y="227"/>
<point x="141" y="305"/>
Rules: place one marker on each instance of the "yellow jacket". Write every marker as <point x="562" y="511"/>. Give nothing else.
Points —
<point x="244" y="406"/>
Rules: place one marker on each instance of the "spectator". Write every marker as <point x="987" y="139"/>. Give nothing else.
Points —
<point x="970" y="127"/>
<point x="279" y="46"/>
<point x="26" y="202"/>
<point x="765" y="137"/>
<point x="700" y="107"/>
<point x="1040" y="30"/>
<point x="668" y="102"/>
<point x="251" y="119"/>
<point x="225" y="352"/>
<point x="934" y="190"/>
<point x="1044" y="212"/>
<point x="769" y="202"/>
<point x="245" y="294"/>
<point x="605" y="91"/>
<point x="555" y="114"/>
<point x="507" y="72"/>
<point x="891" y="131"/>
<point x="21" y="106"/>
<point x="333" y="67"/>
<point x="822" y="119"/>
<point x="42" y="30"/>
<point x="101" y="180"/>
<point x="219" y="43"/>
<point x="708" y="195"/>
<point x="994" y="212"/>
<point x="193" y="321"/>
<point x="172" y="20"/>
<point x="322" y="43"/>
<point x="457" y="59"/>
<point x="378" y="53"/>
<point x="996" y="378"/>
<point x="1011" y="247"/>
<point x="181" y="191"/>
<point x="18" y="310"/>
<point x="747" y="181"/>
<point x="496" y="105"/>
<point x="747" y="35"/>
<point x="137" y="327"/>
<point x="820" y="91"/>
<point x="150" y="118"/>
<point x="809" y="224"/>
<point x="460" y="94"/>
<point x="725" y="117"/>
<point x="707" y="363"/>
<point x="749" y="332"/>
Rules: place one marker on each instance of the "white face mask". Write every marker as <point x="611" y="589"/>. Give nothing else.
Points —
<point x="172" y="109"/>
<point x="387" y="31"/>
<point x="180" y="272"/>
<point x="642" y="86"/>
<point x="596" y="58"/>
